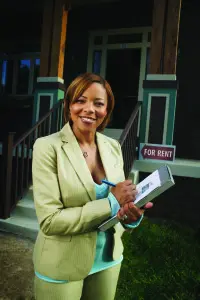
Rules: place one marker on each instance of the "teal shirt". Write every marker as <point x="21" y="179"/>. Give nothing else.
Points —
<point x="103" y="258"/>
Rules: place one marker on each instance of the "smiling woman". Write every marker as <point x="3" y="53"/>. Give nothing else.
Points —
<point x="72" y="259"/>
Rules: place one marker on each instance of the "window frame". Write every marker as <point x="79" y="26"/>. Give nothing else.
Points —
<point x="16" y="58"/>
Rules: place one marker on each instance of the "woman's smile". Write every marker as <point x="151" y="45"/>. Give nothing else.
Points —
<point x="88" y="120"/>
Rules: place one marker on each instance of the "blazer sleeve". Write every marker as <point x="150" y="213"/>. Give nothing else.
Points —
<point x="53" y="217"/>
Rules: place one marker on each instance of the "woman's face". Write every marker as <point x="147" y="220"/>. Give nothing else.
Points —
<point x="90" y="109"/>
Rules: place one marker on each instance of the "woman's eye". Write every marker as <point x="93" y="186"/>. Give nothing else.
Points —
<point x="79" y="101"/>
<point x="99" y="104"/>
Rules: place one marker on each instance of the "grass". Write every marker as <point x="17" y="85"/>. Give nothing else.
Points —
<point x="161" y="261"/>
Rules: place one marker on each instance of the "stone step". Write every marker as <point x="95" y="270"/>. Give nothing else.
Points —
<point x="24" y="226"/>
<point x="25" y="208"/>
<point x="23" y="220"/>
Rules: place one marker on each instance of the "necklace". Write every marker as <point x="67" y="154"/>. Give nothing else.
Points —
<point x="85" y="154"/>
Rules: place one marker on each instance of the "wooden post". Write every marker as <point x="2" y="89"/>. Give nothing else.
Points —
<point x="172" y="33"/>
<point x="157" y="36"/>
<point x="58" y="39"/>
<point x="53" y="38"/>
<point x="165" y="31"/>
<point x="47" y="26"/>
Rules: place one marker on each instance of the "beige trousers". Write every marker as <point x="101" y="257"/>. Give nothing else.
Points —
<point x="98" y="286"/>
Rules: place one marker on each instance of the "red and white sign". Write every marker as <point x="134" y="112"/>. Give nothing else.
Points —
<point x="157" y="152"/>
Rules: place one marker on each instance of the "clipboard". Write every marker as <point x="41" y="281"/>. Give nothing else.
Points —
<point x="148" y="189"/>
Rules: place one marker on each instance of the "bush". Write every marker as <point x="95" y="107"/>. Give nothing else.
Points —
<point x="161" y="261"/>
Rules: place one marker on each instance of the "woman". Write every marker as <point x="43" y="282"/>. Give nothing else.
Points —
<point x="72" y="259"/>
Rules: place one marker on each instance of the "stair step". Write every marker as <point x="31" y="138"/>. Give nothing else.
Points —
<point x="25" y="208"/>
<point x="24" y="226"/>
<point x="29" y="193"/>
<point x="23" y="219"/>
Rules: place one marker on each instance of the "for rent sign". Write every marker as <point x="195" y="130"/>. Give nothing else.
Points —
<point x="157" y="152"/>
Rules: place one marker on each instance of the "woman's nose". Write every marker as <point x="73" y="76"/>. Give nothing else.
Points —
<point x="89" y="107"/>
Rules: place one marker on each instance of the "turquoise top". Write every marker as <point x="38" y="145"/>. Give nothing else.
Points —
<point x="103" y="258"/>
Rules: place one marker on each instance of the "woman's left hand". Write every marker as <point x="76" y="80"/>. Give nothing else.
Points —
<point x="129" y="213"/>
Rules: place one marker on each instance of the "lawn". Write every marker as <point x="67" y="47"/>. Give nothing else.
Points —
<point x="161" y="261"/>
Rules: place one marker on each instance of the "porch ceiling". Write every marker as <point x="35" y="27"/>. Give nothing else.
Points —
<point x="27" y="5"/>
<point x="76" y="3"/>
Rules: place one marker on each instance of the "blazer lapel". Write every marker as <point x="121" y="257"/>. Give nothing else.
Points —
<point x="75" y="156"/>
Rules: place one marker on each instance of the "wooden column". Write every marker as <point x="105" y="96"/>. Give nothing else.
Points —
<point x="53" y="38"/>
<point x="157" y="36"/>
<point x="172" y="33"/>
<point x="47" y="25"/>
<point x="165" y="31"/>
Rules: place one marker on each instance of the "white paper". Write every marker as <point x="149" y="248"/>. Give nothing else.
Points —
<point x="147" y="186"/>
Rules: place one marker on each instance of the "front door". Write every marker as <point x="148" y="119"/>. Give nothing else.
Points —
<point x="122" y="72"/>
<point x="120" y="57"/>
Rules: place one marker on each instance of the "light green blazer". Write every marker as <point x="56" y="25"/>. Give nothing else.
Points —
<point x="67" y="211"/>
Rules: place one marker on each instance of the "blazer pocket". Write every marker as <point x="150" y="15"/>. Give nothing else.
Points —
<point x="54" y="251"/>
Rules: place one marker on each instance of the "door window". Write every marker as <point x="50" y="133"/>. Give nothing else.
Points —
<point x="122" y="72"/>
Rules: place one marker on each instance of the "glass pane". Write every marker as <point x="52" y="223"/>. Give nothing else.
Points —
<point x="23" y="76"/>
<point x="124" y="80"/>
<point x="98" y="40"/>
<point x="7" y="75"/>
<point x="96" y="62"/>
<point x="147" y="62"/>
<point x="3" y="73"/>
<point x="149" y="36"/>
<point x="36" y="70"/>
<point x="125" y="38"/>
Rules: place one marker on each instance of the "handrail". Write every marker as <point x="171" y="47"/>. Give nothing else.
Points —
<point x="128" y="140"/>
<point x="129" y="123"/>
<point x="38" y="123"/>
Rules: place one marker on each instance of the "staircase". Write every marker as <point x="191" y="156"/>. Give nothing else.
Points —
<point x="22" y="219"/>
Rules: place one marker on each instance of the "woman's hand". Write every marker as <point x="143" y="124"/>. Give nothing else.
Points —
<point x="130" y="213"/>
<point x="124" y="192"/>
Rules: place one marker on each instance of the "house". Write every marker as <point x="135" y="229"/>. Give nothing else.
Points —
<point x="147" y="50"/>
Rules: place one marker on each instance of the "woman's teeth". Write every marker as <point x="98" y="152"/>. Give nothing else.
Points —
<point x="87" y="120"/>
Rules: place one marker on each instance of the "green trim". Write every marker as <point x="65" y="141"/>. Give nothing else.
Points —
<point x="56" y="94"/>
<point x="143" y="118"/>
<point x="171" y="117"/>
<point x="179" y="167"/>
<point x="172" y="93"/>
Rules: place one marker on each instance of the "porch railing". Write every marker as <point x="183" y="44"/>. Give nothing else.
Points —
<point x="128" y="140"/>
<point x="16" y="159"/>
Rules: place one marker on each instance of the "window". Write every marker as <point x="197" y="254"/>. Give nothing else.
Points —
<point x="98" y="40"/>
<point x="36" y="71"/>
<point x="96" y="61"/>
<point x="7" y="75"/>
<point x="147" y="62"/>
<point x="18" y="75"/>
<point x="23" y="76"/>
<point x="125" y="38"/>
<point x="3" y="73"/>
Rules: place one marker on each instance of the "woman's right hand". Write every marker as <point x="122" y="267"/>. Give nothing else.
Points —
<point x="124" y="192"/>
